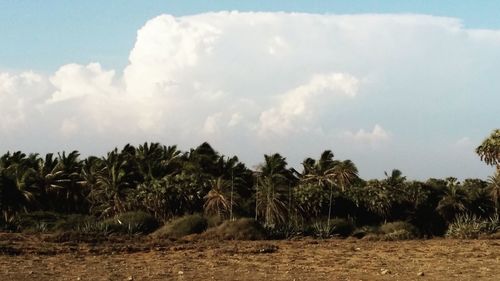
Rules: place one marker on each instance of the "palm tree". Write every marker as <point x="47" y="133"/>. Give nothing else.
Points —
<point x="454" y="200"/>
<point x="489" y="150"/>
<point x="17" y="189"/>
<point x="149" y="158"/>
<point x="111" y="186"/>
<point x="494" y="185"/>
<point x="330" y="173"/>
<point x="217" y="201"/>
<point x="273" y="180"/>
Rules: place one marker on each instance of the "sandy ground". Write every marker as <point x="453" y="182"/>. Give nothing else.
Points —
<point x="33" y="258"/>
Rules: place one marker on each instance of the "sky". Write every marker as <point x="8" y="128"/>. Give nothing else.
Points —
<point x="412" y="85"/>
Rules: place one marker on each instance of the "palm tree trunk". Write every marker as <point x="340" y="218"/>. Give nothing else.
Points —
<point x="232" y="189"/>
<point x="256" y="199"/>
<point x="330" y="208"/>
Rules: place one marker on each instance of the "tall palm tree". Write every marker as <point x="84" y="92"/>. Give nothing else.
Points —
<point x="489" y="150"/>
<point x="494" y="185"/>
<point x="108" y="197"/>
<point x="217" y="201"/>
<point x="330" y="173"/>
<point x="273" y="181"/>
<point x="17" y="175"/>
<point x="71" y="193"/>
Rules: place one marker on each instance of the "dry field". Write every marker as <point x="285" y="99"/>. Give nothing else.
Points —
<point x="32" y="257"/>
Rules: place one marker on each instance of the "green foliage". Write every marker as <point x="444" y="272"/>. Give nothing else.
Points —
<point x="240" y="229"/>
<point x="337" y="227"/>
<point x="130" y="223"/>
<point x="180" y="227"/>
<point x="467" y="226"/>
<point x="62" y="192"/>
<point x="398" y="230"/>
<point x="42" y="221"/>
<point x="365" y="231"/>
<point x="489" y="150"/>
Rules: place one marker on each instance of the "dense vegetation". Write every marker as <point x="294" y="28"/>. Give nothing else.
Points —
<point x="152" y="184"/>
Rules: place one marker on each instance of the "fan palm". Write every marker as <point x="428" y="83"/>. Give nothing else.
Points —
<point x="489" y="150"/>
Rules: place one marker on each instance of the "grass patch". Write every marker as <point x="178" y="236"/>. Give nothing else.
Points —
<point x="398" y="230"/>
<point x="129" y="223"/>
<point x="337" y="227"/>
<point x="241" y="229"/>
<point x="186" y="225"/>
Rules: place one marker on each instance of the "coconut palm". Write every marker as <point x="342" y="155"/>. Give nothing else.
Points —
<point x="218" y="202"/>
<point x="108" y="197"/>
<point x="273" y="182"/>
<point x="330" y="173"/>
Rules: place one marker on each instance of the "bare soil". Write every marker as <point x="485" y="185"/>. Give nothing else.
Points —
<point x="45" y="257"/>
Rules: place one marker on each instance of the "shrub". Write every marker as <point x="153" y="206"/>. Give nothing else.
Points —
<point x="190" y="224"/>
<point x="365" y="231"/>
<point x="130" y="223"/>
<point x="72" y="222"/>
<point x="285" y="231"/>
<point x="39" y="221"/>
<point x="398" y="230"/>
<point x="241" y="229"/>
<point x="336" y="227"/>
<point x="214" y="221"/>
<point x="471" y="227"/>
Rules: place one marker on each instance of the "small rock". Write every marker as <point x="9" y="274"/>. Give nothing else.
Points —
<point x="357" y="249"/>
<point x="78" y="278"/>
<point x="385" y="271"/>
<point x="180" y="272"/>
<point x="421" y="273"/>
<point x="31" y="272"/>
<point x="130" y="278"/>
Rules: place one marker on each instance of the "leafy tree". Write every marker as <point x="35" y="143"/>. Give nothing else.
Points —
<point x="454" y="200"/>
<point x="489" y="150"/>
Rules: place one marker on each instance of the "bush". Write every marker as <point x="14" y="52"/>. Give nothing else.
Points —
<point x="214" y="221"/>
<point x="241" y="229"/>
<point x="398" y="230"/>
<point x="42" y="221"/>
<point x="365" y="231"/>
<point x="72" y="222"/>
<point x="130" y="223"/>
<point x="39" y="221"/>
<point x="336" y="227"/>
<point x="471" y="227"/>
<point x="190" y="224"/>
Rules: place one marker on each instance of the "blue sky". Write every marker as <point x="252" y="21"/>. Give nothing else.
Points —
<point x="411" y="85"/>
<point x="43" y="35"/>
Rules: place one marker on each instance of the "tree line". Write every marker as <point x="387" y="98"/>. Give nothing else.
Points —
<point x="168" y="183"/>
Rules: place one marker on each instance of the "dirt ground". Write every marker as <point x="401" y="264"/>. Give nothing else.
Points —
<point x="25" y="257"/>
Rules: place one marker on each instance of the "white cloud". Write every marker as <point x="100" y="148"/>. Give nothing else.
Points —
<point x="300" y="105"/>
<point x="69" y="128"/>
<point x="73" y="81"/>
<point x="262" y="82"/>
<point x="376" y="136"/>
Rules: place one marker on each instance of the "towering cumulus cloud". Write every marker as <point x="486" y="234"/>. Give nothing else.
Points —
<point x="367" y="86"/>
